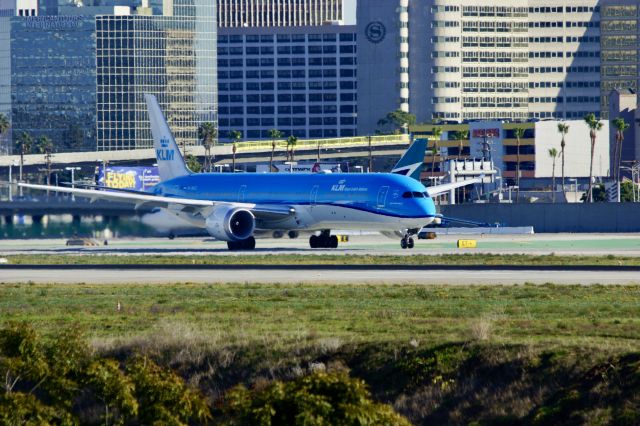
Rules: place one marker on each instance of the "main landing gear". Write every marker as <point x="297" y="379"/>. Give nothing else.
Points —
<point x="248" y="244"/>
<point x="324" y="240"/>
<point x="406" y="242"/>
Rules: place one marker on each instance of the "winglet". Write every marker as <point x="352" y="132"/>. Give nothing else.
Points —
<point x="170" y="162"/>
<point x="411" y="162"/>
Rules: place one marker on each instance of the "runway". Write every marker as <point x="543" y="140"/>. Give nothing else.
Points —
<point x="319" y="274"/>
<point x="370" y="245"/>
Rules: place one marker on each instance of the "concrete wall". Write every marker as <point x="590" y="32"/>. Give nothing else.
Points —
<point x="598" y="217"/>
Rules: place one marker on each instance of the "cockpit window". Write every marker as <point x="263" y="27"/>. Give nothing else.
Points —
<point x="426" y="194"/>
<point x="413" y="195"/>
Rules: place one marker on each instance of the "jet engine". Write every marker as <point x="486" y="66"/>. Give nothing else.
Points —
<point x="228" y="223"/>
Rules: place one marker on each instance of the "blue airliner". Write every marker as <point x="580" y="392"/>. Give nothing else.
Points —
<point x="232" y="206"/>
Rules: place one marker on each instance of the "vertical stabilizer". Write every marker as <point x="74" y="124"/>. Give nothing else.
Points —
<point x="411" y="162"/>
<point x="170" y="162"/>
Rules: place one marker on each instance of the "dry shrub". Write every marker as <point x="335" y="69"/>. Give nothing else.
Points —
<point x="481" y="329"/>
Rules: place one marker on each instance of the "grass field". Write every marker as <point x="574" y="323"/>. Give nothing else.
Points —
<point x="438" y="353"/>
<point x="328" y="259"/>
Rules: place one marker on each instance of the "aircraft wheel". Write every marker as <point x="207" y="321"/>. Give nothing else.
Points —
<point x="410" y="243"/>
<point x="171" y="236"/>
<point x="403" y="243"/>
<point x="232" y="245"/>
<point x="333" y="242"/>
<point x="313" y="241"/>
<point x="277" y="234"/>
<point x="249" y="244"/>
<point x="293" y="234"/>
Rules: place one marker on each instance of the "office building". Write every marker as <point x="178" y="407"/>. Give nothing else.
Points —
<point x="277" y="13"/>
<point x="619" y="56"/>
<point x="469" y="60"/>
<point x="79" y="76"/>
<point x="299" y="80"/>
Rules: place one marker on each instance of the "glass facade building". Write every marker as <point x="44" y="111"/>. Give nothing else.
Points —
<point x="53" y="78"/>
<point x="162" y="55"/>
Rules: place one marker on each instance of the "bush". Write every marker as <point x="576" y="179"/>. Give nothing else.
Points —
<point x="49" y="382"/>
<point x="317" y="399"/>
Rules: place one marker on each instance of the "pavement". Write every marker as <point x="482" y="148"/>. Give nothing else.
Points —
<point x="536" y="244"/>
<point x="539" y="244"/>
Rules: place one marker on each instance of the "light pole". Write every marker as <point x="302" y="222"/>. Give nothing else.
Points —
<point x="73" y="179"/>
<point x="13" y="163"/>
<point x="575" y="187"/>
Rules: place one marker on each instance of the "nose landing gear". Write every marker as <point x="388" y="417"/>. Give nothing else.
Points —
<point x="324" y="240"/>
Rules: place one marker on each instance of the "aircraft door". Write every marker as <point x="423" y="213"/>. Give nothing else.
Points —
<point x="313" y="196"/>
<point x="382" y="196"/>
<point x="242" y="192"/>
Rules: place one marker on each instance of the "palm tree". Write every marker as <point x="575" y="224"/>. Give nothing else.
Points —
<point x="553" y="153"/>
<point x="563" y="129"/>
<point x="460" y="136"/>
<point x="620" y="126"/>
<point x="437" y="134"/>
<point x="234" y="149"/>
<point x="208" y="133"/>
<point x="519" y="133"/>
<point x="25" y="143"/>
<point x="594" y="127"/>
<point x="235" y="136"/>
<point x="45" y="146"/>
<point x="4" y="124"/>
<point x="273" y="134"/>
<point x="291" y="144"/>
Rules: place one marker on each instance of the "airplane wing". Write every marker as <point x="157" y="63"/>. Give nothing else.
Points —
<point x="151" y="200"/>
<point x="440" y="189"/>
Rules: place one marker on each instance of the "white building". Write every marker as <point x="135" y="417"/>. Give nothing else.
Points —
<point x="464" y="60"/>
<point x="277" y="13"/>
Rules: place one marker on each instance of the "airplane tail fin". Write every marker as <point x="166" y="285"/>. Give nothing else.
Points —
<point x="411" y="162"/>
<point x="170" y="162"/>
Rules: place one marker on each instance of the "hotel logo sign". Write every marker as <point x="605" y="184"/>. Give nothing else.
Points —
<point x="375" y="32"/>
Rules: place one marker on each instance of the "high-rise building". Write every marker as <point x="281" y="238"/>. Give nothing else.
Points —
<point x="299" y="80"/>
<point x="277" y="13"/>
<point x="172" y="57"/>
<point x="78" y="76"/>
<point x="619" y="43"/>
<point x="462" y="60"/>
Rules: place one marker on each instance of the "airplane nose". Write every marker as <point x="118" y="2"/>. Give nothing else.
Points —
<point x="428" y="207"/>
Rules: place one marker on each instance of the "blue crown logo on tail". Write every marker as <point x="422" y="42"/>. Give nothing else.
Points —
<point x="164" y="142"/>
<point x="164" y="153"/>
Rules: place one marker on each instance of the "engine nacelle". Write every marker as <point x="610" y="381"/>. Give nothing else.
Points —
<point x="230" y="223"/>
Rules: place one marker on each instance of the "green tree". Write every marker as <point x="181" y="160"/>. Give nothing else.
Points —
<point x="621" y="126"/>
<point x="45" y="146"/>
<point x="553" y="153"/>
<point x="594" y="127"/>
<point x="316" y="399"/>
<point x="563" y="129"/>
<point x="292" y="141"/>
<point x="25" y="144"/>
<point x="397" y="120"/>
<point x="519" y="133"/>
<point x="4" y="124"/>
<point x="208" y="134"/>
<point x="437" y="134"/>
<point x="192" y="163"/>
<point x="114" y="389"/>
<point x="273" y="134"/>
<point x="461" y="136"/>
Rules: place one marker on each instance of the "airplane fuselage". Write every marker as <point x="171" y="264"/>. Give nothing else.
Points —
<point x="371" y="201"/>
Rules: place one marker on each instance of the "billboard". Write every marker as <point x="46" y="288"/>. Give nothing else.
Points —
<point x="136" y="178"/>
